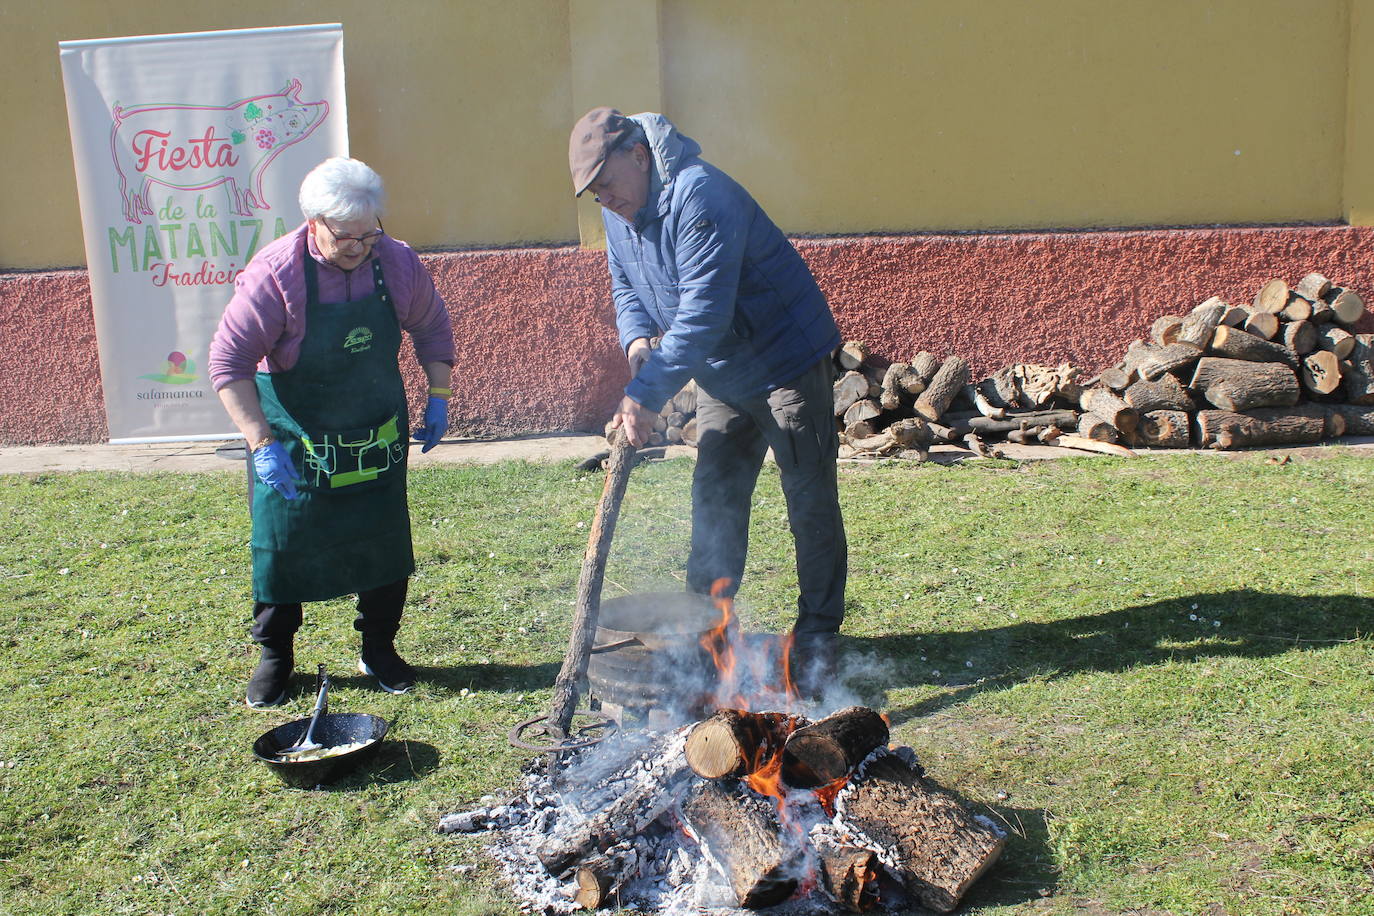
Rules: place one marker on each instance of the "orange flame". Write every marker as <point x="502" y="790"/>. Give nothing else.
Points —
<point x="759" y="667"/>
<point x="826" y="794"/>
<point x="787" y="686"/>
<point x="718" y="642"/>
<point x="767" y="779"/>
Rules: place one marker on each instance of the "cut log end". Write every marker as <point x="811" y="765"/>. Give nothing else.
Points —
<point x="1164" y="429"/>
<point x="593" y="889"/>
<point x="825" y="751"/>
<point x="852" y="354"/>
<point x="1272" y="297"/>
<point x="1346" y="305"/>
<point x="1262" y="324"/>
<point x="714" y="750"/>
<point x="1321" y="372"/>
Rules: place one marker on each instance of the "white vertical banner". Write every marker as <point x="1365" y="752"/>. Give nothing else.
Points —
<point x="189" y="152"/>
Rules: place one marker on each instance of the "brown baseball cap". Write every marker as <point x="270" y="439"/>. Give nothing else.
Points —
<point x="595" y="135"/>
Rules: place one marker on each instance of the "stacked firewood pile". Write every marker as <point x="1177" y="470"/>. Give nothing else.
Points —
<point x="1286" y="368"/>
<point x="743" y="809"/>
<point x="677" y="423"/>
<point x="900" y="409"/>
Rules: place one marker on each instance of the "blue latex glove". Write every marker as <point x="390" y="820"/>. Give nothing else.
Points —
<point x="274" y="468"/>
<point x="436" y="423"/>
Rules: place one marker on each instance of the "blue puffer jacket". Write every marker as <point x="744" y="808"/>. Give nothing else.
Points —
<point x="704" y="267"/>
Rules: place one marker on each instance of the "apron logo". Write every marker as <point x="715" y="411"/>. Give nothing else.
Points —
<point x="358" y="340"/>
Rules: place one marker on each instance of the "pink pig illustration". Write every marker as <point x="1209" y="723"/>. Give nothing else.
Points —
<point x="229" y="145"/>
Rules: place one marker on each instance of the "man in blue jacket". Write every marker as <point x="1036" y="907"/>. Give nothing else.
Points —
<point x="696" y="262"/>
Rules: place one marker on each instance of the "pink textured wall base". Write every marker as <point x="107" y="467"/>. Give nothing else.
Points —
<point x="537" y="346"/>
<point x="50" y="387"/>
<point x="1061" y="297"/>
<point x="535" y="337"/>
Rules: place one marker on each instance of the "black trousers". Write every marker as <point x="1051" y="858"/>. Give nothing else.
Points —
<point x="798" y="423"/>
<point x="379" y="613"/>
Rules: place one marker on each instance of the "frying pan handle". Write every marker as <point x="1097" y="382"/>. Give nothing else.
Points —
<point x="322" y="691"/>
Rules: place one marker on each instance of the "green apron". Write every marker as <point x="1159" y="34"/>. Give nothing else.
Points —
<point x="341" y="414"/>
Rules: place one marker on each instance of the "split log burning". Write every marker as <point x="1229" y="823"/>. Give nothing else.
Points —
<point x="741" y="832"/>
<point x="921" y="833"/>
<point x="818" y="754"/>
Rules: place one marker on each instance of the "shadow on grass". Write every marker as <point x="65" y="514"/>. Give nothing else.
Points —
<point x="402" y="761"/>
<point x="1240" y="623"/>
<point x="452" y="680"/>
<point x="395" y="761"/>
<point x="1026" y="870"/>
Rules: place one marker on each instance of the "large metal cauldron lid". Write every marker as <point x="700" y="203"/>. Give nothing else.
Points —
<point x="656" y="613"/>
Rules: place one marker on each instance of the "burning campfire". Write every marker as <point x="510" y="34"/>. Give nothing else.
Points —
<point x="752" y="804"/>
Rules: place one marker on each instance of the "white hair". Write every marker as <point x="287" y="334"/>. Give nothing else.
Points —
<point x="342" y="189"/>
<point x="635" y="137"/>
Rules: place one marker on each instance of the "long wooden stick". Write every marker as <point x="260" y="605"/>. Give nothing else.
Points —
<point x="565" y="689"/>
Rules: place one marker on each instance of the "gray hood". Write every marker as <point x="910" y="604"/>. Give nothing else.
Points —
<point x="671" y="148"/>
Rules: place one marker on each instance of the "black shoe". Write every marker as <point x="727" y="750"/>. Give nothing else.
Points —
<point x="391" y="671"/>
<point x="269" y="683"/>
<point x="814" y="666"/>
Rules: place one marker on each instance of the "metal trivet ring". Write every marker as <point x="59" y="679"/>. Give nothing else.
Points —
<point x="600" y="727"/>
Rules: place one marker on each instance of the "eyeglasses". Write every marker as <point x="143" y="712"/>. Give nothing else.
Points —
<point x="366" y="239"/>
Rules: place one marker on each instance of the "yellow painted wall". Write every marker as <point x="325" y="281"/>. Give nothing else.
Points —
<point x="974" y="114"/>
<point x="841" y="116"/>
<point x="461" y="105"/>
<point x="1359" y="103"/>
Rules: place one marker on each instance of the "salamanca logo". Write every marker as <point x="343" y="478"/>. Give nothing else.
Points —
<point x="178" y="371"/>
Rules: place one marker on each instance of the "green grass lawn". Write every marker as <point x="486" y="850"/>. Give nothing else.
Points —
<point x="1158" y="673"/>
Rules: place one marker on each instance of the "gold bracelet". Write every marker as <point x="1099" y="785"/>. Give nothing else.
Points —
<point x="263" y="442"/>
<point x="444" y="393"/>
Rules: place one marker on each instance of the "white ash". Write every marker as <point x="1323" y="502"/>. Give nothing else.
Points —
<point x="664" y="869"/>
<point x="550" y="805"/>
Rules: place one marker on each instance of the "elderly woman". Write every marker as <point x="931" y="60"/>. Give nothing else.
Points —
<point x="305" y="361"/>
